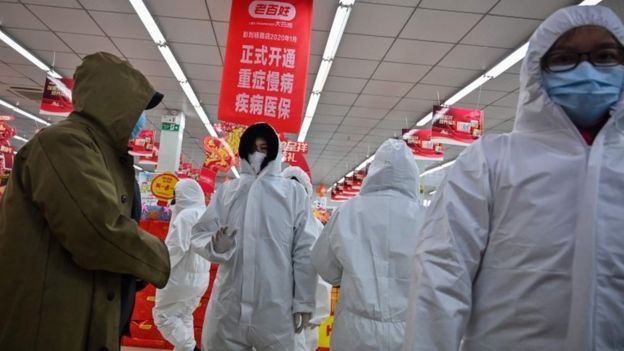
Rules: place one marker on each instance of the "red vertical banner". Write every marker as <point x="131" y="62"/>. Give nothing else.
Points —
<point x="266" y="64"/>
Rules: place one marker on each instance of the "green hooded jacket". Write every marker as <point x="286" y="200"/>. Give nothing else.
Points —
<point x="66" y="232"/>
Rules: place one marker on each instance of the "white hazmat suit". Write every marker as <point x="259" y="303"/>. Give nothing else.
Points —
<point x="367" y="248"/>
<point x="266" y="276"/>
<point x="523" y="247"/>
<point x="175" y="303"/>
<point x="308" y="339"/>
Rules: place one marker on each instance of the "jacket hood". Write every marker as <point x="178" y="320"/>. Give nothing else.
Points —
<point x="536" y="111"/>
<point x="393" y="168"/>
<point x="248" y="143"/>
<point x="301" y="176"/>
<point x="189" y="194"/>
<point x="112" y="94"/>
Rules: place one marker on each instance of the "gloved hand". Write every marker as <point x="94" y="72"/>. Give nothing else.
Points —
<point x="301" y="320"/>
<point x="223" y="241"/>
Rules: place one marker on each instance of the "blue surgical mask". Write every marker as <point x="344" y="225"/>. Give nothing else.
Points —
<point x="138" y="127"/>
<point x="585" y="93"/>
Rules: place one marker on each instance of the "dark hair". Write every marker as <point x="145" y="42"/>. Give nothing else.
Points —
<point x="247" y="144"/>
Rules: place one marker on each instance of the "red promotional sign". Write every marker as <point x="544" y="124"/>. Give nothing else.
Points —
<point x="6" y="132"/>
<point x="456" y="126"/>
<point x="266" y="64"/>
<point x="423" y="148"/>
<point x="143" y="145"/>
<point x="6" y="156"/>
<point x="294" y="152"/>
<point x="151" y="159"/>
<point x="57" y="98"/>
<point x="185" y="170"/>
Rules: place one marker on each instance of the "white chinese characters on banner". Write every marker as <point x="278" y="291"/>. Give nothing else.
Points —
<point x="295" y="146"/>
<point x="273" y="81"/>
<point x="262" y="80"/>
<point x="269" y="106"/>
<point x="268" y="56"/>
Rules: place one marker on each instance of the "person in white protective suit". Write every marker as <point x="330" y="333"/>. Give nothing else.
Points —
<point x="523" y="247"/>
<point x="256" y="229"/>
<point x="175" y="303"/>
<point x="308" y="339"/>
<point x="367" y="249"/>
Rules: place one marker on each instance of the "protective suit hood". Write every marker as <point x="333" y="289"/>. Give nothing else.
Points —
<point x="533" y="102"/>
<point x="247" y="147"/>
<point x="112" y="94"/>
<point x="301" y="176"/>
<point x="394" y="167"/>
<point x="189" y="194"/>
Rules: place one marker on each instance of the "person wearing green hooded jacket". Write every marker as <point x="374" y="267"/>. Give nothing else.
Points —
<point x="67" y="237"/>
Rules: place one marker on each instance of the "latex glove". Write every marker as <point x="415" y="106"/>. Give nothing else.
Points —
<point x="301" y="320"/>
<point x="223" y="241"/>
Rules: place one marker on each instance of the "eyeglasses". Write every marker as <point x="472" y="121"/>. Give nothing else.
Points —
<point x="562" y="61"/>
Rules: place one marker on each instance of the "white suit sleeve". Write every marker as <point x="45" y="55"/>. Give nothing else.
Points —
<point x="448" y="256"/>
<point x="208" y="225"/>
<point x="324" y="258"/>
<point x="303" y="272"/>
<point x="178" y="239"/>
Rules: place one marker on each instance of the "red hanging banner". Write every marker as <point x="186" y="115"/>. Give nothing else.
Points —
<point x="423" y="148"/>
<point x="151" y="159"/>
<point x="266" y="64"/>
<point x="456" y="126"/>
<point x="57" y="97"/>
<point x="143" y="145"/>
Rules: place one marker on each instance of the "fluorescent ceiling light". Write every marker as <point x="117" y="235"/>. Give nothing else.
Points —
<point x="166" y="53"/>
<point x="28" y="55"/>
<point x="235" y="171"/>
<point x="23" y="113"/>
<point x="312" y="105"/>
<point x="466" y="90"/>
<point x="137" y="168"/>
<point x="437" y="168"/>
<point x="590" y="2"/>
<point x="337" y="29"/>
<point x="17" y="137"/>
<point x="321" y="76"/>
<point x="148" y="21"/>
<point x="331" y="47"/>
<point x="425" y="120"/>
<point x="508" y="61"/>
<point x="307" y="122"/>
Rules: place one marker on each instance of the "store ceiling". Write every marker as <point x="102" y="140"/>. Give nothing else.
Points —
<point x="396" y="59"/>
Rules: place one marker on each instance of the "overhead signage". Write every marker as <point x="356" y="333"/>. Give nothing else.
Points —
<point x="266" y="64"/>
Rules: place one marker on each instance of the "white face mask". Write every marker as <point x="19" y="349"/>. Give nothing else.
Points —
<point x="255" y="160"/>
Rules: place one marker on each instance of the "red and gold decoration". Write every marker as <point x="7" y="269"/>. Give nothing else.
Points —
<point x="219" y="155"/>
